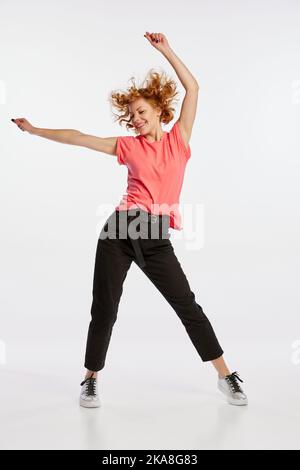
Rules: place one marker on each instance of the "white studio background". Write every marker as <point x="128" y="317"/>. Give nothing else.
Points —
<point x="59" y="60"/>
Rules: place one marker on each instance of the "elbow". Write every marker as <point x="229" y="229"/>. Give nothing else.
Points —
<point x="192" y="86"/>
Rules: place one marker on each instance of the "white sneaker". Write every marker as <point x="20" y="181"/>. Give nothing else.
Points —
<point x="232" y="390"/>
<point x="89" y="396"/>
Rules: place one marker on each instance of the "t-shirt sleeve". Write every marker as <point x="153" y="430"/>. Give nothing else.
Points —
<point x="179" y="142"/>
<point x="125" y="146"/>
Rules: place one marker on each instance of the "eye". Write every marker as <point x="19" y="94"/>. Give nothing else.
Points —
<point x="141" y="112"/>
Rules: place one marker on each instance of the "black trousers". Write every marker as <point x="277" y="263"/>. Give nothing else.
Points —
<point x="156" y="258"/>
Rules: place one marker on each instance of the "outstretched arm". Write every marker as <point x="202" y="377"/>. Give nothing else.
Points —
<point x="190" y="84"/>
<point x="71" y="136"/>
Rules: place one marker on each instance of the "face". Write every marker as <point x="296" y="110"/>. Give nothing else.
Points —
<point x="143" y="116"/>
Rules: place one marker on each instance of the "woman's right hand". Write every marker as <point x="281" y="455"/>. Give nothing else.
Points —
<point x="24" y="125"/>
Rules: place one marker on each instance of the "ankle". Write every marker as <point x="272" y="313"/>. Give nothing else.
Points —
<point x="222" y="376"/>
<point x="90" y="373"/>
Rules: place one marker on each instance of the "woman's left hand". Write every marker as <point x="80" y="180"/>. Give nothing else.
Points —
<point x="158" y="40"/>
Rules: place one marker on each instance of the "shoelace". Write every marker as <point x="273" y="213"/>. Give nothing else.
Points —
<point x="232" y="381"/>
<point x="90" y="386"/>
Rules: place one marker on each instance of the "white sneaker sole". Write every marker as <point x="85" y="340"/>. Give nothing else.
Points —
<point x="231" y="400"/>
<point x="90" y="404"/>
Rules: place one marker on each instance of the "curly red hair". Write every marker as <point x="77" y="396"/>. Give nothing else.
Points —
<point x="160" y="91"/>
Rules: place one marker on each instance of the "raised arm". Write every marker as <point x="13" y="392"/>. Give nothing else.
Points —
<point x="71" y="136"/>
<point x="190" y="101"/>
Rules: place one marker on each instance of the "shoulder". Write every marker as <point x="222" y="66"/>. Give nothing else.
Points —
<point x="125" y="144"/>
<point x="178" y="138"/>
<point x="126" y="140"/>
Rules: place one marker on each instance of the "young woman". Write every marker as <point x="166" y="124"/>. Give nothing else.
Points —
<point x="156" y="162"/>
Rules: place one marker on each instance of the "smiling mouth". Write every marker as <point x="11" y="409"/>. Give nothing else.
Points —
<point x="140" y="127"/>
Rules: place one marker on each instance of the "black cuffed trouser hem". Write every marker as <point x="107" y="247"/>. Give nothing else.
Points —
<point x="95" y="369"/>
<point x="205" y="358"/>
<point x="212" y="357"/>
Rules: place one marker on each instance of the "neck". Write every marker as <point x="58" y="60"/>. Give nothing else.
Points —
<point x="156" y="136"/>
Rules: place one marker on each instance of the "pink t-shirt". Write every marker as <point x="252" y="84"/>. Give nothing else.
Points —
<point x="155" y="173"/>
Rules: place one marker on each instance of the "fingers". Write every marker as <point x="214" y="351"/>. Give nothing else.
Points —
<point x="20" y="123"/>
<point x="155" y="37"/>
